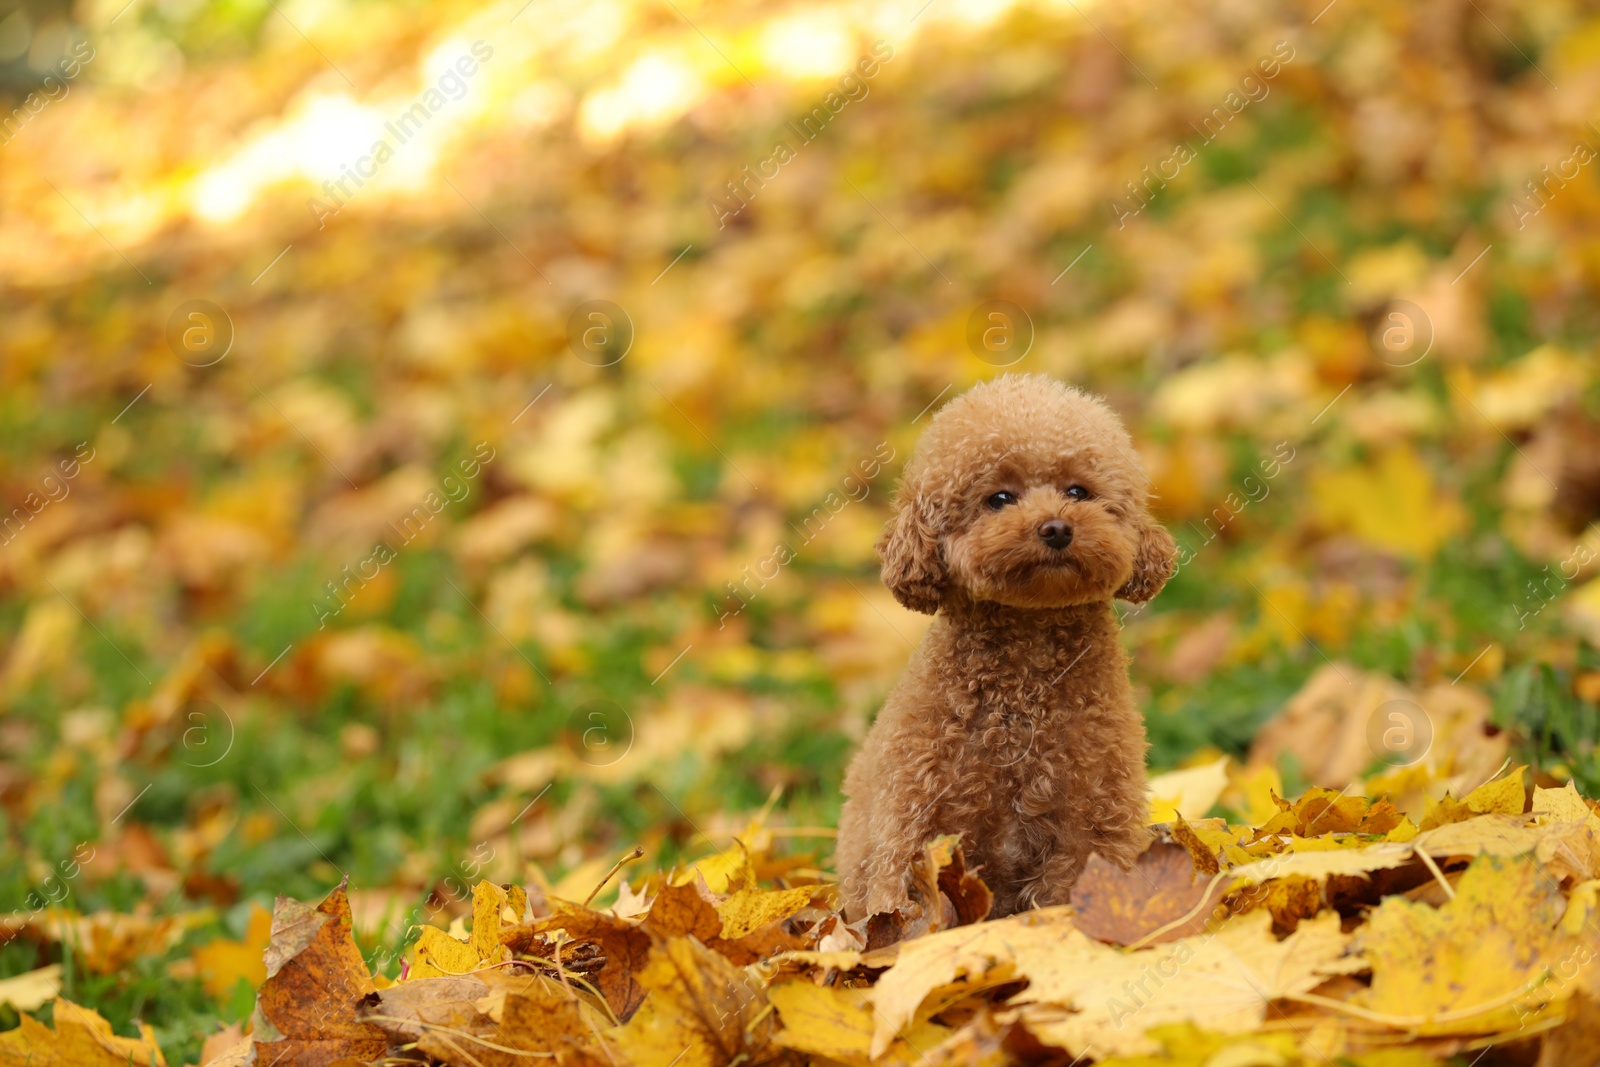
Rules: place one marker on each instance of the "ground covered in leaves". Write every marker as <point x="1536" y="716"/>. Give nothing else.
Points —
<point x="1338" y="931"/>
<point x="380" y="572"/>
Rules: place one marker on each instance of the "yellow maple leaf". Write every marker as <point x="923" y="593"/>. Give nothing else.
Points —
<point x="1189" y="792"/>
<point x="1218" y="837"/>
<point x="1223" y="981"/>
<point x="31" y="990"/>
<point x="838" y="1024"/>
<point x="1251" y="792"/>
<point x="1502" y="796"/>
<point x="437" y="953"/>
<point x="1583" y="901"/>
<point x="1082" y="993"/>
<point x="488" y="903"/>
<point x="974" y="957"/>
<point x="1323" y="862"/>
<point x="1563" y="805"/>
<point x="751" y="909"/>
<point x="1458" y="968"/>
<point x="1444" y="811"/>
<point x="81" y="1038"/>
<point x="1494" y="835"/>
<point x="1392" y="504"/>
<point x="725" y="872"/>
<point x="1406" y="831"/>
<point x="699" y="1010"/>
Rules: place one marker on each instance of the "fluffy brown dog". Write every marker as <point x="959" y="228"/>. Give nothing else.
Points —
<point x="1019" y="519"/>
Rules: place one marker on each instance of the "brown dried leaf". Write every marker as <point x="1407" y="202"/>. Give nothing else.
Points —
<point x="1289" y="900"/>
<point x="1380" y="818"/>
<point x="316" y="978"/>
<point x="405" y="1011"/>
<point x="943" y="894"/>
<point x="1324" y="726"/>
<point x="487" y="1019"/>
<point x="1122" y="907"/>
<point x="624" y="945"/>
<point x="763" y="943"/>
<point x="681" y="911"/>
<point x="1205" y="860"/>
<point x="110" y="942"/>
<point x="968" y="897"/>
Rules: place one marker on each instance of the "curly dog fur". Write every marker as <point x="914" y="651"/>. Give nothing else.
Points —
<point x="1013" y="725"/>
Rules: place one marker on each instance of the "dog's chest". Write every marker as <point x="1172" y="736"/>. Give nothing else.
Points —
<point x="1001" y="681"/>
<point x="1022" y="709"/>
<point x="1013" y="718"/>
<point x="1010" y="764"/>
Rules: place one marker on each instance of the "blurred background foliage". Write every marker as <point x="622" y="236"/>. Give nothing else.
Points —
<point x="595" y="640"/>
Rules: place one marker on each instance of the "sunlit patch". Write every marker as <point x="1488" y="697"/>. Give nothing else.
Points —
<point x="316" y="144"/>
<point x="340" y="144"/>
<point x="332" y="140"/>
<point x="447" y="66"/>
<point x="222" y="193"/>
<point x="807" y="44"/>
<point x="656" y="89"/>
<point x="329" y="131"/>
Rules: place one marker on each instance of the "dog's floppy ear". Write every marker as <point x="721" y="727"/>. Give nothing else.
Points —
<point x="913" y="567"/>
<point x="1155" y="559"/>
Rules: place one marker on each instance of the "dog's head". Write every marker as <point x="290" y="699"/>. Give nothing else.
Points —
<point x="1026" y="492"/>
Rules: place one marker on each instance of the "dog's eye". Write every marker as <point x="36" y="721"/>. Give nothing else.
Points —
<point x="1078" y="492"/>
<point x="1001" y="499"/>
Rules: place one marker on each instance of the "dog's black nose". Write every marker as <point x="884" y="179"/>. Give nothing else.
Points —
<point x="1055" y="533"/>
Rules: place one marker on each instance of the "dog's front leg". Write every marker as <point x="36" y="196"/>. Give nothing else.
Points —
<point x="1097" y="826"/>
<point x="906" y="818"/>
<point x="1052" y="885"/>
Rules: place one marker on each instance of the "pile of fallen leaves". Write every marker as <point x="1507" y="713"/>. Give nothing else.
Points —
<point x="1340" y="930"/>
